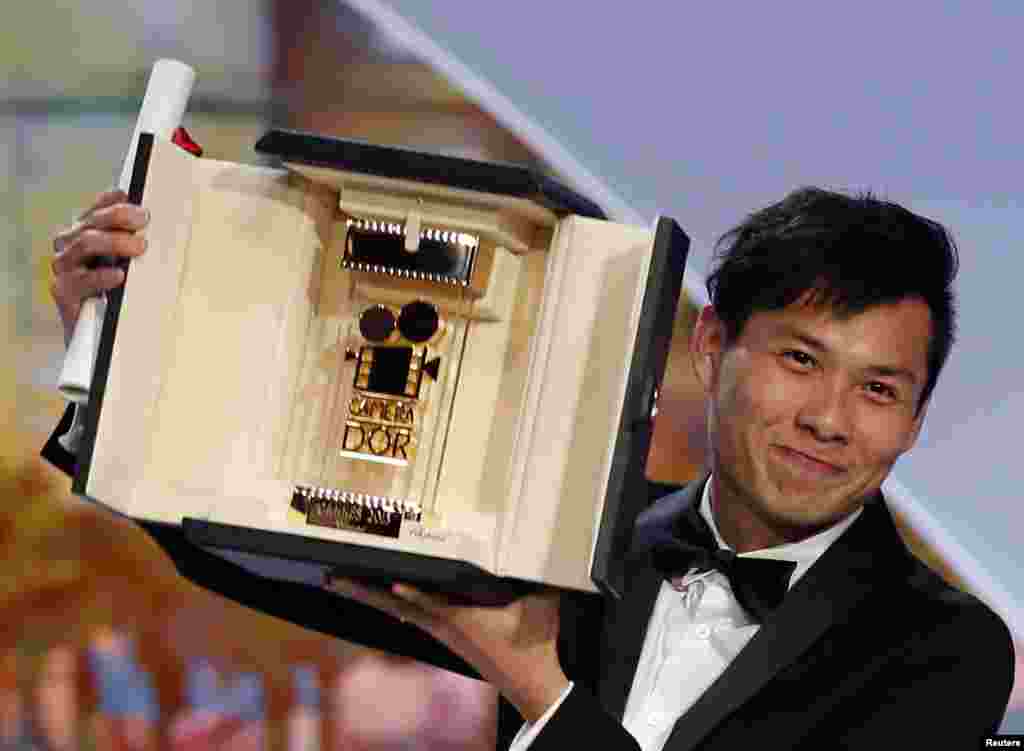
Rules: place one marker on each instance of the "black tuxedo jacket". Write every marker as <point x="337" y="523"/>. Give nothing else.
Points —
<point x="870" y="649"/>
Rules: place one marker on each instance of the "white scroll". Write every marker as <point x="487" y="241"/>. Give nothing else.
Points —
<point x="167" y="93"/>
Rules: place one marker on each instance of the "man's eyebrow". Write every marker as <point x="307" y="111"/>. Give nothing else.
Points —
<point x="889" y="372"/>
<point x="885" y="371"/>
<point x="791" y="332"/>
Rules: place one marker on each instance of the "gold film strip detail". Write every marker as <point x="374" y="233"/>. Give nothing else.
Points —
<point x="468" y="241"/>
<point x="465" y="239"/>
<point x="409" y="509"/>
<point x="419" y="276"/>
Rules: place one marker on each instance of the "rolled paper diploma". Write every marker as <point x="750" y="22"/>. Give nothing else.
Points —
<point x="163" y="105"/>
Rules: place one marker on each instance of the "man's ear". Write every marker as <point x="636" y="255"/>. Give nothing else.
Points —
<point x="706" y="346"/>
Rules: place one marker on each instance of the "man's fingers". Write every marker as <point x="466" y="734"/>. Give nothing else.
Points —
<point x="116" y="218"/>
<point x="106" y="198"/>
<point x="70" y="289"/>
<point x="122" y="216"/>
<point x="91" y="244"/>
<point x="103" y="200"/>
<point x="92" y="283"/>
<point x="429" y="603"/>
<point x="77" y="247"/>
<point x="379" y="599"/>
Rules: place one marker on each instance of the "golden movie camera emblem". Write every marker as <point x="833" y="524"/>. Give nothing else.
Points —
<point x="389" y="380"/>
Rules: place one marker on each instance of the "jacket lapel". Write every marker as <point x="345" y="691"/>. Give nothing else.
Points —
<point x="625" y="622"/>
<point x="833" y="586"/>
<point x="625" y="627"/>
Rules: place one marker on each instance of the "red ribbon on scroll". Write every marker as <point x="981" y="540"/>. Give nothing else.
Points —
<point x="181" y="138"/>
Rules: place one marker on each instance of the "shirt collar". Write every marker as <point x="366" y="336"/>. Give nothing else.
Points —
<point x="804" y="553"/>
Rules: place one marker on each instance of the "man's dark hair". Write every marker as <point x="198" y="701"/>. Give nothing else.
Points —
<point x="850" y="252"/>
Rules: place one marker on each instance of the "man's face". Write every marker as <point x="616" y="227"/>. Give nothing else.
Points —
<point x="808" y="412"/>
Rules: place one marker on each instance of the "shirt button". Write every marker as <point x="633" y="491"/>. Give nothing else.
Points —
<point x="657" y="718"/>
<point x="703" y="631"/>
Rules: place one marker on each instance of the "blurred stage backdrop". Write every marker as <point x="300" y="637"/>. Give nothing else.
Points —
<point x="80" y="589"/>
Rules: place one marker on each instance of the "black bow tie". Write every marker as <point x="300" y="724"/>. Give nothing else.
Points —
<point x="758" y="583"/>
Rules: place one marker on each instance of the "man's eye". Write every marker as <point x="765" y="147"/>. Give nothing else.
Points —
<point x="799" y="357"/>
<point x="881" y="389"/>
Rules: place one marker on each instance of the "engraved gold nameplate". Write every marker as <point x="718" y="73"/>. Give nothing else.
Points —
<point x="336" y="509"/>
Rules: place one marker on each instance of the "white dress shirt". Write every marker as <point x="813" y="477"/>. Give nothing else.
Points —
<point x="696" y="629"/>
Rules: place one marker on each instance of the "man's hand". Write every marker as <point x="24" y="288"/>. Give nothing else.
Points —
<point x="513" y="647"/>
<point x="108" y="229"/>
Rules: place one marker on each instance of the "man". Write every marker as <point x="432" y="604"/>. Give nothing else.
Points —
<point x="830" y="321"/>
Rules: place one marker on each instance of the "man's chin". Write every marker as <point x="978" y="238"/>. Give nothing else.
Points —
<point x="798" y="520"/>
<point x="817" y="520"/>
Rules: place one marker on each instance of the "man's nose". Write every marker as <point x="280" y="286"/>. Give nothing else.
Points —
<point x="825" y="412"/>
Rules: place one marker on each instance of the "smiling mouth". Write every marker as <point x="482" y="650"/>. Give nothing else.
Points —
<point x="808" y="464"/>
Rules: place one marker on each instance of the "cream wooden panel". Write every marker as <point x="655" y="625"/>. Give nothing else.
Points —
<point x="590" y="317"/>
<point x="207" y="354"/>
